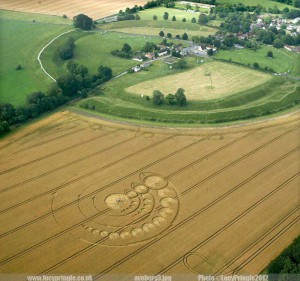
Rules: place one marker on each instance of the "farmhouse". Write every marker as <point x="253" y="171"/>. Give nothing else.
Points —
<point x="137" y="59"/>
<point x="108" y="19"/>
<point x="150" y="56"/>
<point x="163" y="53"/>
<point x="194" y="50"/>
<point x="292" y="48"/>
<point x="170" y="60"/>
<point x="137" y="68"/>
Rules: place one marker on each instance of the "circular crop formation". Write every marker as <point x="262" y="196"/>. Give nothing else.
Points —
<point x="128" y="216"/>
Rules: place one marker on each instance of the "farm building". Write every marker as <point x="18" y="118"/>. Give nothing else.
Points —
<point x="170" y="60"/>
<point x="150" y="56"/>
<point x="194" y="50"/>
<point x="163" y="53"/>
<point x="137" y="68"/>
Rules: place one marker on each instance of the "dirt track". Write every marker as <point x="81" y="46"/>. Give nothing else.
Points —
<point x="129" y="200"/>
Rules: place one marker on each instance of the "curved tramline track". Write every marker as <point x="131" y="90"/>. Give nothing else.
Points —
<point x="125" y="194"/>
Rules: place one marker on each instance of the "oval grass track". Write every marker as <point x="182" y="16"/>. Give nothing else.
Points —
<point x="210" y="81"/>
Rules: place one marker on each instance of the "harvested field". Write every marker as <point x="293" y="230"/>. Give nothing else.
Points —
<point x="95" y="9"/>
<point x="210" y="81"/>
<point x="84" y="196"/>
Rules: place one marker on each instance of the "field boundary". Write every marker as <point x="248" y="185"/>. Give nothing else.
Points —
<point x="125" y="121"/>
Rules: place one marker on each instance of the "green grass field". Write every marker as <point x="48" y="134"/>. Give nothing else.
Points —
<point x="263" y="3"/>
<point x="209" y="81"/>
<point x="94" y="49"/>
<point x="159" y="12"/>
<point x="238" y="92"/>
<point x="151" y="27"/>
<point x="4" y="14"/>
<point x="21" y="42"/>
<point x="269" y="97"/>
<point x="283" y="60"/>
<point x="181" y="6"/>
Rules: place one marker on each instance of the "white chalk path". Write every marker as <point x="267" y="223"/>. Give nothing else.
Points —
<point x="41" y="52"/>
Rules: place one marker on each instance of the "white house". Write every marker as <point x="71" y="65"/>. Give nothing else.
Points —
<point x="137" y="68"/>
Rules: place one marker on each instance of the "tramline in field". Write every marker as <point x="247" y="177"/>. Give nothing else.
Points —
<point x="93" y="8"/>
<point x="164" y="142"/>
<point x="67" y="183"/>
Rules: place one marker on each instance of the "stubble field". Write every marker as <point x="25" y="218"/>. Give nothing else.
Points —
<point x="85" y="196"/>
<point x="93" y="8"/>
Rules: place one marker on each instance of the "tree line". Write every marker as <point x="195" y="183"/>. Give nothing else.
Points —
<point x="76" y="83"/>
<point x="286" y="263"/>
<point x="209" y="2"/>
<point x="148" y="5"/>
<point x="295" y="3"/>
<point x="224" y="9"/>
<point x="178" y="98"/>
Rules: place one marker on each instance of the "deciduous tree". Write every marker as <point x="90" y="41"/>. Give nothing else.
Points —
<point x="83" y="22"/>
<point x="158" y="97"/>
<point x="180" y="97"/>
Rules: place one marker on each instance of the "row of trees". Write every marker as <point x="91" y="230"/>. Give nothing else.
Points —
<point x="74" y="84"/>
<point x="169" y="35"/>
<point x="224" y="9"/>
<point x="210" y="2"/>
<point x="295" y="3"/>
<point x="178" y="98"/>
<point x="203" y="18"/>
<point x="128" y="14"/>
<point x="148" y="5"/>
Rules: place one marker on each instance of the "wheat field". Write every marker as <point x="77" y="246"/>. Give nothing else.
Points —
<point x="84" y="196"/>
<point x="95" y="9"/>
